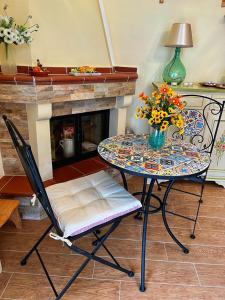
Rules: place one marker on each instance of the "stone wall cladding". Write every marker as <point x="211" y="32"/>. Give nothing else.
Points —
<point x="61" y="109"/>
<point x="17" y="113"/>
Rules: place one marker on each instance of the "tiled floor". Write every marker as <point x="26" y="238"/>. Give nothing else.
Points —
<point x="170" y="273"/>
<point x="19" y="186"/>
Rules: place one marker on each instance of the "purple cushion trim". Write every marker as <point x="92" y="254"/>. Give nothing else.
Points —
<point x="83" y="229"/>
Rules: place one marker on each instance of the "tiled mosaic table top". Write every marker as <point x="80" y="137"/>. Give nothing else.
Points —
<point x="132" y="153"/>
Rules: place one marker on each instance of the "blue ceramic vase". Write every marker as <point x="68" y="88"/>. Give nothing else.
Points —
<point x="156" y="139"/>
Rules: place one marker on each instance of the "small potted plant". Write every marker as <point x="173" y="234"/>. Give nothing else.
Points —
<point x="163" y="109"/>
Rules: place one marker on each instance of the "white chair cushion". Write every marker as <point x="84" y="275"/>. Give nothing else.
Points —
<point x="89" y="201"/>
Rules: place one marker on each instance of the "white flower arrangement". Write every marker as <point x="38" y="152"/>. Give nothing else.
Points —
<point x="12" y="33"/>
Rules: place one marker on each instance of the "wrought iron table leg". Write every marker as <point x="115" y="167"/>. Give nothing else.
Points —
<point x="185" y="250"/>
<point x="144" y="234"/>
<point x="124" y="180"/>
<point x="138" y="216"/>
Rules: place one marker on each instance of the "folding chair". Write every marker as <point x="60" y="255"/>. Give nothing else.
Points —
<point x="75" y="209"/>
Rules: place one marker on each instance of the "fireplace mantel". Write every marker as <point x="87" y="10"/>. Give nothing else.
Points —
<point x="31" y="101"/>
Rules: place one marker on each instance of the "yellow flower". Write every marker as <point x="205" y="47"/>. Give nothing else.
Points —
<point x="163" y="114"/>
<point x="158" y="120"/>
<point x="173" y="120"/>
<point x="154" y="94"/>
<point x="163" y="128"/>
<point x="181" y="131"/>
<point x="165" y="123"/>
<point x="136" y="116"/>
<point x="151" y="121"/>
<point x="180" y="118"/>
<point x="138" y="109"/>
<point x="141" y="115"/>
<point x="171" y="110"/>
<point x="170" y="93"/>
<point x="154" y="113"/>
<point x="180" y="124"/>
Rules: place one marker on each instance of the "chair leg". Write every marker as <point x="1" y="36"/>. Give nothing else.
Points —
<point x="185" y="250"/>
<point x="24" y="260"/>
<point x="192" y="236"/>
<point x="46" y="272"/>
<point x="106" y="249"/>
<point x="94" y="257"/>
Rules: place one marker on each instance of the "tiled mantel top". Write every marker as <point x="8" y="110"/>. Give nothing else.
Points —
<point x="61" y="75"/>
<point x="24" y="88"/>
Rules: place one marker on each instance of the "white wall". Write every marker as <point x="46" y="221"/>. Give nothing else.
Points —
<point x="138" y="30"/>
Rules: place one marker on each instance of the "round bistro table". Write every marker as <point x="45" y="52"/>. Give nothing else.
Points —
<point x="176" y="160"/>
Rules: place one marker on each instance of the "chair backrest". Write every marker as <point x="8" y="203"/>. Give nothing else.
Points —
<point x="194" y="122"/>
<point x="29" y="165"/>
<point x="202" y="124"/>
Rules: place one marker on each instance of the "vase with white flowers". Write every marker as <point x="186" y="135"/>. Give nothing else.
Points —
<point x="13" y="34"/>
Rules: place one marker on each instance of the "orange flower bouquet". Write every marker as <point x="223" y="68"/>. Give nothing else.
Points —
<point x="163" y="109"/>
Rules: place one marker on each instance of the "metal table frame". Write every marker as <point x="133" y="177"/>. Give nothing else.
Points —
<point x="146" y="196"/>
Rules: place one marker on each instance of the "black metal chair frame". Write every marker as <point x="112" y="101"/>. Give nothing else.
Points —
<point x="216" y="108"/>
<point x="33" y="175"/>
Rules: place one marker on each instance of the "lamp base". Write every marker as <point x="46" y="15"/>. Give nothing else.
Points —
<point x="175" y="71"/>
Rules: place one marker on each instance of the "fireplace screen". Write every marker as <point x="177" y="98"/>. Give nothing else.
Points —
<point x="75" y="137"/>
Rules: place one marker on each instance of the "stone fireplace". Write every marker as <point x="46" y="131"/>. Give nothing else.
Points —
<point x="32" y="101"/>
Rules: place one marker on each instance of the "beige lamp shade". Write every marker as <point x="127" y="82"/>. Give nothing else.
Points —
<point x="180" y="35"/>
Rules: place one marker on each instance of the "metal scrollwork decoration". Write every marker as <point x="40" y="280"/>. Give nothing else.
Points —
<point x="203" y="127"/>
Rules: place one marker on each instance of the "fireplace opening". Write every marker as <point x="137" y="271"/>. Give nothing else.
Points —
<point x="76" y="137"/>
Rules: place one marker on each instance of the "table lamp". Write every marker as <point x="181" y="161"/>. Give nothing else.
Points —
<point x="180" y="36"/>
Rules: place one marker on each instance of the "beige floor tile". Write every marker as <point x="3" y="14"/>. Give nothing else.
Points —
<point x="24" y="242"/>
<point x="130" y="291"/>
<point x="56" y="264"/>
<point x="28" y="280"/>
<point x="156" y="271"/>
<point x="155" y="250"/>
<point x="211" y="275"/>
<point x="28" y="226"/>
<point x="4" y="278"/>
<point x="84" y="289"/>
<point x="132" y="249"/>
<point x="23" y="293"/>
<point x="211" y="223"/>
<point x="197" y="254"/>
<point x="173" y="221"/>
<point x="121" y="248"/>
<point x="215" y="200"/>
<point x="22" y="286"/>
<point x="203" y="237"/>
<point x="124" y="231"/>
<point x="205" y="211"/>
